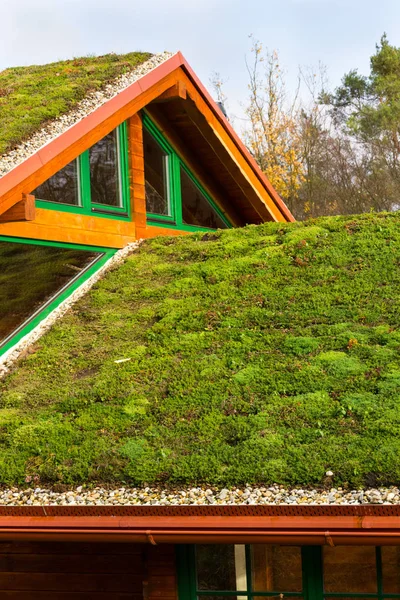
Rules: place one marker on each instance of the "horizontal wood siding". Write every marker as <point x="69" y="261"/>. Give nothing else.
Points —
<point x="90" y="571"/>
<point x="161" y="570"/>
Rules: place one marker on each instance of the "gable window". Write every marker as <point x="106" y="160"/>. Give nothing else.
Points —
<point x="35" y="277"/>
<point x="97" y="182"/>
<point x="308" y="573"/>
<point x="174" y="197"/>
<point x="63" y="187"/>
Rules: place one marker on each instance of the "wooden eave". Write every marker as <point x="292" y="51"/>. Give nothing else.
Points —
<point x="172" y="81"/>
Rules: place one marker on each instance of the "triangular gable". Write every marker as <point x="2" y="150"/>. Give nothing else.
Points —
<point x="60" y="151"/>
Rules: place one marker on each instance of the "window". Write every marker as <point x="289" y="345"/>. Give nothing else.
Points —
<point x="97" y="182"/>
<point x="35" y="277"/>
<point x="157" y="188"/>
<point x="63" y="187"/>
<point x="174" y="197"/>
<point x="312" y="573"/>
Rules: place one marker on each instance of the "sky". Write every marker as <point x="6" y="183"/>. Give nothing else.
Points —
<point x="213" y="35"/>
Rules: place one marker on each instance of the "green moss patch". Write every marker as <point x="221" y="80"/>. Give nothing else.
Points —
<point x="264" y="354"/>
<point x="32" y="96"/>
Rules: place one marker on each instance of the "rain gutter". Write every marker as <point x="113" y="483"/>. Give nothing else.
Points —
<point x="175" y="528"/>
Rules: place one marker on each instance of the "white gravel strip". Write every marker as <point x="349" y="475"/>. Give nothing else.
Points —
<point x="152" y="496"/>
<point x="8" y="358"/>
<point x="92" y="101"/>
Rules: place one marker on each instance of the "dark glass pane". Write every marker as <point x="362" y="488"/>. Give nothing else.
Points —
<point x="350" y="569"/>
<point x="156" y="176"/>
<point x="221" y="567"/>
<point x="63" y="187"/>
<point x="104" y="175"/>
<point x="196" y="210"/>
<point x="391" y="569"/>
<point x="222" y="597"/>
<point x="276" y="568"/>
<point x="30" y="275"/>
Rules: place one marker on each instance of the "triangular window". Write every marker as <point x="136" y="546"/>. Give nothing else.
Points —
<point x="196" y="209"/>
<point x="173" y="194"/>
<point x="35" y="277"/>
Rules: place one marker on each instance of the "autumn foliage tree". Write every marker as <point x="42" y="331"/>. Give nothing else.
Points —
<point x="273" y="132"/>
<point x="336" y="153"/>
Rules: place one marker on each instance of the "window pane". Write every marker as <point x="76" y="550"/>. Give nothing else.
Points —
<point x="30" y="275"/>
<point x="104" y="175"/>
<point x="276" y="568"/>
<point x="350" y="569"/>
<point x="63" y="187"/>
<point x="221" y="567"/>
<point x="196" y="210"/>
<point x="222" y="597"/>
<point x="156" y="176"/>
<point x="391" y="569"/>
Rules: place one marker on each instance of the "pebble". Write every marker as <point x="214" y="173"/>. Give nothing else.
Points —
<point x="154" y="496"/>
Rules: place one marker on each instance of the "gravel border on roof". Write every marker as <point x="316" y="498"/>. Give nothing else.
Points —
<point x="92" y="101"/>
<point x="152" y="496"/>
<point x="8" y="359"/>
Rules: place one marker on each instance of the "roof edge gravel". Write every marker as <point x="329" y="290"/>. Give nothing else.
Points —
<point x="272" y="496"/>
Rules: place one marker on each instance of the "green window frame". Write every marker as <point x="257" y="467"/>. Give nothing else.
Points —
<point x="174" y="164"/>
<point x="312" y="577"/>
<point x="87" y="207"/>
<point x="63" y="294"/>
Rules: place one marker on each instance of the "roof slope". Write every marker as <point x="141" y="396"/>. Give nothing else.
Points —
<point x="263" y="354"/>
<point x="32" y="96"/>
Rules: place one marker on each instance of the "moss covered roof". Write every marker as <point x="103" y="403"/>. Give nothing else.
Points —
<point x="32" y="96"/>
<point x="257" y="355"/>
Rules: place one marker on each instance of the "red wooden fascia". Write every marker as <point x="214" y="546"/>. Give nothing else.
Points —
<point x="203" y="528"/>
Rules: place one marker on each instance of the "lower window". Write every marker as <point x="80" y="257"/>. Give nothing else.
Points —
<point x="35" y="277"/>
<point x="240" y="572"/>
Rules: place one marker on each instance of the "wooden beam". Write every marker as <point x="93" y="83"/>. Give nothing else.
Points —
<point x="178" y="90"/>
<point x="24" y="210"/>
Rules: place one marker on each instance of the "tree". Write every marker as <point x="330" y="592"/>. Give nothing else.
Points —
<point x="272" y="134"/>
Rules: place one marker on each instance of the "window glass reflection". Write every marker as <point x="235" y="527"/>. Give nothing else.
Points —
<point x="221" y="567"/>
<point x="196" y="210"/>
<point x="350" y="569"/>
<point x="156" y="176"/>
<point x="391" y="569"/>
<point x="31" y="275"/>
<point x="62" y="188"/>
<point x="276" y="568"/>
<point x="104" y="171"/>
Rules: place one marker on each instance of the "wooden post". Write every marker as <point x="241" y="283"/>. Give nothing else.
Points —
<point x="137" y="182"/>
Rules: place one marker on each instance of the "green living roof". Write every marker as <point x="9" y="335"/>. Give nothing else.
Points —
<point x="257" y="355"/>
<point x="32" y="96"/>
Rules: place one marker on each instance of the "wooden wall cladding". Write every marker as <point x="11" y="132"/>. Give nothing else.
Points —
<point x="86" y="571"/>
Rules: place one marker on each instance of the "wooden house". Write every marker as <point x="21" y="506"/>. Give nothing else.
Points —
<point x="145" y="152"/>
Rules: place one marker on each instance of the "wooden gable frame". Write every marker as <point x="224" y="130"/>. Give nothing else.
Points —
<point x="173" y="79"/>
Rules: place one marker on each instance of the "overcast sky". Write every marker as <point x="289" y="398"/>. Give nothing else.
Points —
<point x="212" y="34"/>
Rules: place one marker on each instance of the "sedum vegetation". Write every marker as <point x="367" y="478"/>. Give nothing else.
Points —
<point x="257" y="355"/>
<point x="32" y="96"/>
